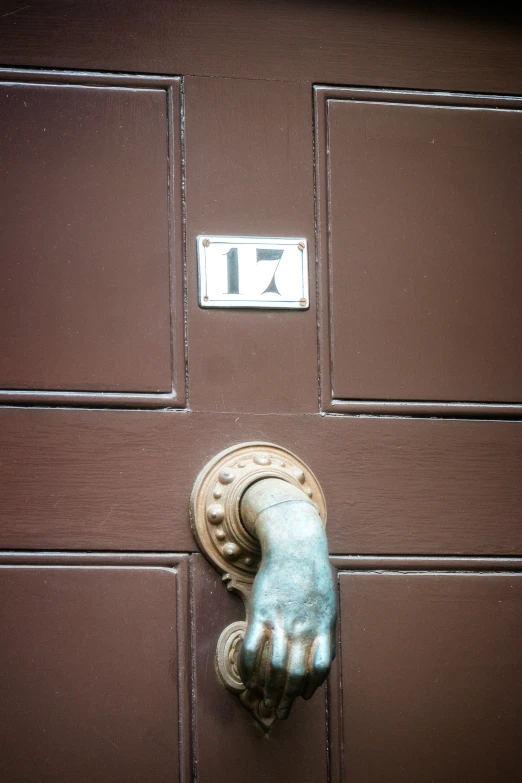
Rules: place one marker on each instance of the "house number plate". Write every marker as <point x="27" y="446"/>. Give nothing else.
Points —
<point x="253" y="272"/>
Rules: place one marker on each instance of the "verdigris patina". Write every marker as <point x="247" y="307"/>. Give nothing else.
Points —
<point x="258" y="514"/>
<point x="289" y="643"/>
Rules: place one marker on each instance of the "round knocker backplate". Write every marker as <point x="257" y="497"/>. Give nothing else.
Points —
<point x="215" y="500"/>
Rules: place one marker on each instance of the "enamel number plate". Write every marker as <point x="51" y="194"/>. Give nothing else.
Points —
<point x="253" y="272"/>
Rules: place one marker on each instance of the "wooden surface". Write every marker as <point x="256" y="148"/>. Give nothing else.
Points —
<point x="85" y="265"/>
<point x="401" y="44"/>
<point x="94" y="667"/>
<point x="100" y="678"/>
<point x="431" y="672"/>
<point x="259" y="184"/>
<point x="226" y="737"/>
<point x="422" y="195"/>
<point x="122" y="480"/>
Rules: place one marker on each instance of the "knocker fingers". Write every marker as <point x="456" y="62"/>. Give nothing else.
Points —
<point x="250" y="657"/>
<point x="276" y="668"/>
<point x="319" y="660"/>
<point x="295" y="679"/>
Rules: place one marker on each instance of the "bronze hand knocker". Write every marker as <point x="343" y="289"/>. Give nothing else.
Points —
<point x="258" y="514"/>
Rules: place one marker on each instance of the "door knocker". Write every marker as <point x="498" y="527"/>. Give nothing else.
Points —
<point x="258" y="514"/>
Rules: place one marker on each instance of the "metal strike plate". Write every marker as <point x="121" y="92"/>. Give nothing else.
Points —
<point x="253" y="272"/>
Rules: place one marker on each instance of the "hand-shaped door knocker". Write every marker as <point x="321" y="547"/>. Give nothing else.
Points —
<point x="258" y="514"/>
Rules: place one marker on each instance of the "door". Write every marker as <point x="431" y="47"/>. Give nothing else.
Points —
<point x="388" y="138"/>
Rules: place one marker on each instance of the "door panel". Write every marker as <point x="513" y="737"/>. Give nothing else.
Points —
<point x="90" y="307"/>
<point x="419" y="194"/>
<point x="95" y="655"/>
<point x="431" y="674"/>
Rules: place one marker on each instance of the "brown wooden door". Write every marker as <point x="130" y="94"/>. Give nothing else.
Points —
<point x="389" y="137"/>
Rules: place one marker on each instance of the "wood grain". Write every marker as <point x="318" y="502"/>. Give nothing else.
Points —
<point x="122" y="479"/>
<point x="401" y="44"/>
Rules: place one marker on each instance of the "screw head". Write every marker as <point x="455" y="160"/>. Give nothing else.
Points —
<point x="206" y="242"/>
<point x="301" y="246"/>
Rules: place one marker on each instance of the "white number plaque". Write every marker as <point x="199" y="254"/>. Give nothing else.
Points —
<point x="253" y="272"/>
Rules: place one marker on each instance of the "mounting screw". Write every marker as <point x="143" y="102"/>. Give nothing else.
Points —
<point x="206" y="242"/>
<point x="301" y="246"/>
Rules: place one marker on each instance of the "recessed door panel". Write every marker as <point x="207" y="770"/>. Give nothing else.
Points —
<point x="421" y="242"/>
<point x="85" y="278"/>
<point x="431" y="676"/>
<point x="91" y="659"/>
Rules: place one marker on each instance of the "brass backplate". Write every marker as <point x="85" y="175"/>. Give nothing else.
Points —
<point x="215" y="500"/>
